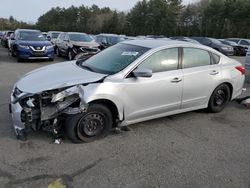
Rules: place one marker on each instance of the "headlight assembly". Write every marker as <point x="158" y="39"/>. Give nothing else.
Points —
<point x="49" y="47"/>
<point x="23" y="46"/>
<point x="65" y="93"/>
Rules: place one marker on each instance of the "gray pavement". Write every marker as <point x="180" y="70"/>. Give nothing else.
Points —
<point x="194" y="149"/>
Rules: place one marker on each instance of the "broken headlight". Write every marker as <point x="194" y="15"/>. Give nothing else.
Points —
<point x="65" y="93"/>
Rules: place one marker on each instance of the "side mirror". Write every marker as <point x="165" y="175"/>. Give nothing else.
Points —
<point x="48" y="38"/>
<point x="141" y="72"/>
<point x="12" y="38"/>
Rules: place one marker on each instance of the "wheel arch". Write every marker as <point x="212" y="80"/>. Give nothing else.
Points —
<point x="116" y="114"/>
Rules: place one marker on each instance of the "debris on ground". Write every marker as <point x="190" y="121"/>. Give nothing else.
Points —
<point x="244" y="101"/>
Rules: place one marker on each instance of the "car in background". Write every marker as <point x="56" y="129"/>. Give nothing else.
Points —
<point x="130" y="82"/>
<point x="247" y="66"/>
<point x="72" y="43"/>
<point x="5" y="38"/>
<point x="44" y="34"/>
<point x="215" y="44"/>
<point x="238" y="50"/>
<point x="245" y="43"/>
<point x="31" y="44"/>
<point x="107" y="40"/>
<point x="1" y="34"/>
<point x="186" y="39"/>
<point x="52" y="36"/>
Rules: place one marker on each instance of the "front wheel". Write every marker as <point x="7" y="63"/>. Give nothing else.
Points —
<point x="219" y="99"/>
<point x="94" y="124"/>
<point x="70" y="54"/>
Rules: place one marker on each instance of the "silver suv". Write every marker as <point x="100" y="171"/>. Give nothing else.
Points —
<point x="72" y="43"/>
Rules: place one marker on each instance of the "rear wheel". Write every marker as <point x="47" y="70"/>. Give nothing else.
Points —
<point x="219" y="99"/>
<point x="89" y="126"/>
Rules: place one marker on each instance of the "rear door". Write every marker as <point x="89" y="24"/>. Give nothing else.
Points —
<point x="200" y="76"/>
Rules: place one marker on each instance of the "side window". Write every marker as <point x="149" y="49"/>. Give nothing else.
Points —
<point x="193" y="57"/>
<point x="164" y="60"/>
<point x="243" y="42"/>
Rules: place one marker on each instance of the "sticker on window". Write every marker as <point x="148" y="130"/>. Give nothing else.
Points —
<point x="130" y="53"/>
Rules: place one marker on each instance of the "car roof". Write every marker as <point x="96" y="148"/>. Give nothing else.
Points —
<point x="109" y="35"/>
<point x="28" y="30"/>
<point x="75" y="33"/>
<point x="155" y="43"/>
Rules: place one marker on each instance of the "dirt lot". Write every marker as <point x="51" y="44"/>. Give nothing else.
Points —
<point x="194" y="149"/>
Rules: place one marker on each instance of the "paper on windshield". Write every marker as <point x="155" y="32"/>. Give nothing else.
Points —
<point x="130" y="53"/>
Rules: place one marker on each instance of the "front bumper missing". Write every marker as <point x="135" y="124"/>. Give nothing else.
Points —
<point x="46" y="113"/>
<point x="15" y="110"/>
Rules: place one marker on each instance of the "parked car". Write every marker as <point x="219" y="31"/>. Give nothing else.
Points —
<point x="245" y="43"/>
<point x="31" y="44"/>
<point x="10" y="41"/>
<point x="187" y="39"/>
<point x="247" y="66"/>
<point x="72" y="43"/>
<point x="52" y="36"/>
<point x="1" y="34"/>
<point x="215" y="44"/>
<point x="238" y="50"/>
<point x="5" y="37"/>
<point x="133" y="81"/>
<point x="107" y="40"/>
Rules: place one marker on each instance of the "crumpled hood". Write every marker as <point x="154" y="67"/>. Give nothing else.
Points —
<point x="91" y="44"/>
<point x="34" y="43"/>
<point x="56" y="76"/>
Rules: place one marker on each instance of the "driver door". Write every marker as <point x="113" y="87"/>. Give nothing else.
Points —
<point x="159" y="94"/>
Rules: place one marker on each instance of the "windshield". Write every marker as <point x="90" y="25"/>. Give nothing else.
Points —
<point x="114" y="59"/>
<point x="54" y="35"/>
<point x="80" y="37"/>
<point x="31" y="36"/>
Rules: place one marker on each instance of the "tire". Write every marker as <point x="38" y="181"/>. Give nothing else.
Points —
<point x="98" y="123"/>
<point x="219" y="98"/>
<point x="70" y="55"/>
<point x="58" y="52"/>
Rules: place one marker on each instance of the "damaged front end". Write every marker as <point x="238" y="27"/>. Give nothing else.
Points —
<point x="45" y="110"/>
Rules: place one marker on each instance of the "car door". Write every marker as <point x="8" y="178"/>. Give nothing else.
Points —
<point x="60" y="42"/>
<point x="200" y="76"/>
<point x="159" y="94"/>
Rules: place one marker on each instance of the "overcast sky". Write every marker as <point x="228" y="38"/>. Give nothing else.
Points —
<point x="30" y="10"/>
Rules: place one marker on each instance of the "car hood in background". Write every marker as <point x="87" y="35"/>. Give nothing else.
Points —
<point x="56" y="76"/>
<point x="34" y="43"/>
<point x="91" y="44"/>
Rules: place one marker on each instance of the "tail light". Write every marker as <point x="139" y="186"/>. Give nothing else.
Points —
<point x="241" y="69"/>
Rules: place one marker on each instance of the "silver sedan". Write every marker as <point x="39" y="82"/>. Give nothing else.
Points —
<point x="131" y="82"/>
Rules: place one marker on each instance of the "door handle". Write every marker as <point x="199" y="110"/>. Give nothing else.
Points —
<point x="176" y="80"/>
<point x="214" y="72"/>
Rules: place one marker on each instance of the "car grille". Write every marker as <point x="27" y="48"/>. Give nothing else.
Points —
<point x="89" y="50"/>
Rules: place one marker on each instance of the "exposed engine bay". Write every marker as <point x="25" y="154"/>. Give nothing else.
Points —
<point x="46" y="110"/>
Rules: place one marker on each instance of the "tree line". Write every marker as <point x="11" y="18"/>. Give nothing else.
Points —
<point x="214" y="18"/>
